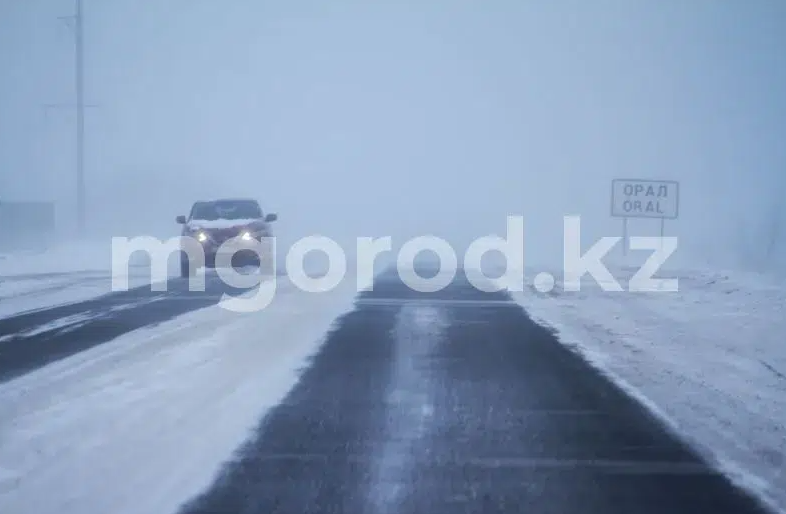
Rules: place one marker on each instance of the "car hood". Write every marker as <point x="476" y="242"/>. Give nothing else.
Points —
<point x="219" y="224"/>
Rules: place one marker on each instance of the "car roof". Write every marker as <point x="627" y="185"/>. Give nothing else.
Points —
<point x="222" y="200"/>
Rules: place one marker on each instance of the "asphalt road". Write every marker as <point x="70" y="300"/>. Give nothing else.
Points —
<point x="448" y="402"/>
<point x="456" y="402"/>
<point x="33" y="339"/>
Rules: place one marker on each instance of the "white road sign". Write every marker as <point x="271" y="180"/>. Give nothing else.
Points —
<point x="635" y="198"/>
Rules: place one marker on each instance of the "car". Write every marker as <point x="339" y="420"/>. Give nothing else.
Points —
<point x="214" y="223"/>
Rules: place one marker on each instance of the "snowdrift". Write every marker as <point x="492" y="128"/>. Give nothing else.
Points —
<point x="708" y="359"/>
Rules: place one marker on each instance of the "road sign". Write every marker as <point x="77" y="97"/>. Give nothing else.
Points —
<point x="637" y="198"/>
<point x="640" y="198"/>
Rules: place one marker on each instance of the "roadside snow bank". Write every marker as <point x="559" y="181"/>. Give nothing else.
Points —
<point x="95" y="255"/>
<point x="710" y="359"/>
<point x="67" y="273"/>
<point x="24" y="293"/>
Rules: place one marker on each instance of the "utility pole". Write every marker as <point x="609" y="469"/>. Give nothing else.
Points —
<point x="80" y="118"/>
<point x="76" y="23"/>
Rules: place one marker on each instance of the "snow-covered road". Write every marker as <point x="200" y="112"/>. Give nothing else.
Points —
<point x="152" y="392"/>
<point x="142" y="423"/>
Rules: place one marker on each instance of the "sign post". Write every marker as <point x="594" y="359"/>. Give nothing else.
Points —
<point x="624" y="236"/>
<point x="639" y="198"/>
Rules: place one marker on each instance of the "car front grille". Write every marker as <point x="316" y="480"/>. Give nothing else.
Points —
<point x="222" y="235"/>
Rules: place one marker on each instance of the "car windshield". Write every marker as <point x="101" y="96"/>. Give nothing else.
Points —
<point x="226" y="210"/>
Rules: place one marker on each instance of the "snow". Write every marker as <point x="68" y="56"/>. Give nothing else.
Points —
<point x="65" y="324"/>
<point x="156" y="411"/>
<point x="27" y="293"/>
<point x="79" y="271"/>
<point x="708" y="359"/>
<point x="65" y="273"/>
<point x="418" y="331"/>
<point x="221" y="223"/>
<point x="160" y="409"/>
<point x="81" y="256"/>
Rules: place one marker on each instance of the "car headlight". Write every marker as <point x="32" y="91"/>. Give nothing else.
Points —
<point x="246" y="236"/>
<point x="201" y="237"/>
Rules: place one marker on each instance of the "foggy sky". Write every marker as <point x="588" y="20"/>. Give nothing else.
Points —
<point x="401" y="118"/>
